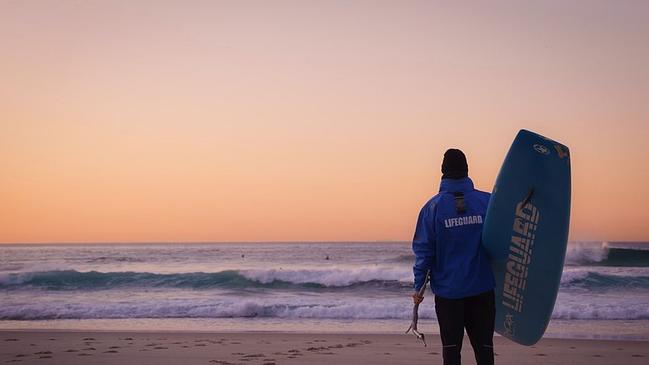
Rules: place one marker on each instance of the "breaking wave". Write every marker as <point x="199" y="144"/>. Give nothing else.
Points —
<point x="587" y="254"/>
<point x="233" y="279"/>
<point x="293" y="279"/>
<point x="605" y="254"/>
<point x="400" y="308"/>
<point x="594" y="280"/>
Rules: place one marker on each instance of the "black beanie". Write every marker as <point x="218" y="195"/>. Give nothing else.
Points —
<point x="454" y="165"/>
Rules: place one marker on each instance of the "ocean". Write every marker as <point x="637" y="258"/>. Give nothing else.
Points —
<point x="312" y="287"/>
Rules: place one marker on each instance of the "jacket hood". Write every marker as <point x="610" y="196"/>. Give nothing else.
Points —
<point x="454" y="185"/>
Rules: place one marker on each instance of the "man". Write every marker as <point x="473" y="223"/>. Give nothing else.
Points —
<point x="447" y="242"/>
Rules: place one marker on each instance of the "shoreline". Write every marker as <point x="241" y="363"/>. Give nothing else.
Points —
<point x="617" y="330"/>
<point x="282" y="332"/>
<point x="273" y="347"/>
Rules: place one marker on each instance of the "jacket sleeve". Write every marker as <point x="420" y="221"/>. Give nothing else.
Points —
<point x="423" y="243"/>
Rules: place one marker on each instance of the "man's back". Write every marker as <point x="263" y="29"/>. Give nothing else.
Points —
<point x="452" y="236"/>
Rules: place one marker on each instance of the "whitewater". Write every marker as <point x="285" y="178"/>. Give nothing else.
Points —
<point x="278" y="283"/>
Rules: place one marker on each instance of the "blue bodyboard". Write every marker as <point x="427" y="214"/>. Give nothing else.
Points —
<point x="526" y="232"/>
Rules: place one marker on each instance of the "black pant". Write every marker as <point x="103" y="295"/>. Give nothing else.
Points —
<point x="477" y="315"/>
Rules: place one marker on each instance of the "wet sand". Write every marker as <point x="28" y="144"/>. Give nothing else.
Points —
<point x="267" y="348"/>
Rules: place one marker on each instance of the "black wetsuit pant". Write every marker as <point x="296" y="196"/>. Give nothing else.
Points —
<point x="476" y="314"/>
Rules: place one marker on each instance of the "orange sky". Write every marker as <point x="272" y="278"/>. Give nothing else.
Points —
<point x="239" y="121"/>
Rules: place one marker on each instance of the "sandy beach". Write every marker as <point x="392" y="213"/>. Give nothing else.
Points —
<point x="67" y="347"/>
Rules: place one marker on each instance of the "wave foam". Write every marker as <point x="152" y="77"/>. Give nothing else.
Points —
<point x="220" y="309"/>
<point x="580" y="253"/>
<point x="336" y="277"/>
<point x="295" y="308"/>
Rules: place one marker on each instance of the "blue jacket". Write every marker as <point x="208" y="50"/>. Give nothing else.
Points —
<point x="449" y="243"/>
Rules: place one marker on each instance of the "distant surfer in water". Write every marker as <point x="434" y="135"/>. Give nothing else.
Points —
<point x="447" y="242"/>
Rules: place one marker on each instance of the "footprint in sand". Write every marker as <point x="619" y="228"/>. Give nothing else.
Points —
<point x="160" y="348"/>
<point x="11" y="339"/>
<point x="221" y="362"/>
<point x="111" y="352"/>
<point x="43" y="353"/>
<point x="540" y="355"/>
<point x="127" y="339"/>
<point x="20" y="355"/>
<point x="317" y="349"/>
<point x="114" y="347"/>
<point x="200" y="344"/>
<point x="89" y="339"/>
<point x="89" y="349"/>
<point x="84" y="354"/>
<point x="637" y="355"/>
<point x="71" y="350"/>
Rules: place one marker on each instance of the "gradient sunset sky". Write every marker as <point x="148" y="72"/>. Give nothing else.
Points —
<point x="303" y="120"/>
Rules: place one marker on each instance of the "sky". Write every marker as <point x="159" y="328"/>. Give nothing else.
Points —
<point x="129" y="121"/>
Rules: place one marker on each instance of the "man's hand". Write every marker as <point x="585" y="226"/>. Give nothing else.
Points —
<point x="416" y="298"/>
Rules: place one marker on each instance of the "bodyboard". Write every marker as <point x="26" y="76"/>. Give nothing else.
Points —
<point x="526" y="232"/>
